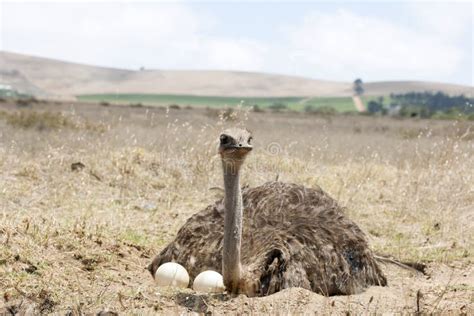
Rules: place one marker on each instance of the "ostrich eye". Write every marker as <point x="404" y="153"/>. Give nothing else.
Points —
<point x="249" y="141"/>
<point x="224" y="139"/>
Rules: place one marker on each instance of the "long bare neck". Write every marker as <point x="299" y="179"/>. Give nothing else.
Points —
<point x="231" y="268"/>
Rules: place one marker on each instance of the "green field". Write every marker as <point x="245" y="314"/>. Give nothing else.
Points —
<point x="341" y="104"/>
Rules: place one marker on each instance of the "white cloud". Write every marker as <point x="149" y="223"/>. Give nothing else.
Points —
<point x="168" y="35"/>
<point x="346" y="45"/>
<point x="449" y="19"/>
<point x="234" y="54"/>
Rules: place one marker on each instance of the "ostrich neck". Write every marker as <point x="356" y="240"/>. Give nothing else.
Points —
<point x="232" y="225"/>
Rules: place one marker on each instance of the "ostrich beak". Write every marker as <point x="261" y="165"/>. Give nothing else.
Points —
<point x="247" y="148"/>
<point x="243" y="148"/>
<point x="237" y="151"/>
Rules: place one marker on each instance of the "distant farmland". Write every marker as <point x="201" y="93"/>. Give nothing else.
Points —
<point x="341" y="104"/>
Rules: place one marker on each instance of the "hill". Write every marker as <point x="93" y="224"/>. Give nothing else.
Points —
<point x="43" y="76"/>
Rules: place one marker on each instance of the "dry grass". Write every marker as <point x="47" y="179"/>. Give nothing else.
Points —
<point x="78" y="241"/>
<point x="46" y="120"/>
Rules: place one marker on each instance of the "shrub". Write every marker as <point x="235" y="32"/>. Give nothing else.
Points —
<point x="323" y="110"/>
<point x="309" y="108"/>
<point x="256" y="108"/>
<point x="374" y="107"/>
<point x="39" y="120"/>
<point x="48" y="121"/>
<point x="25" y="102"/>
<point x="277" y="106"/>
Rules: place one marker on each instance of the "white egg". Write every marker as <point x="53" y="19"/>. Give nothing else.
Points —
<point x="209" y="282"/>
<point x="172" y="274"/>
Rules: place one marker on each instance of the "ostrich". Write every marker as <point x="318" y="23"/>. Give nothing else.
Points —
<point x="272" y="237"/>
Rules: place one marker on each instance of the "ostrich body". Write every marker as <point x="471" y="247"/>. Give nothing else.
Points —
<point x="274" y="236"/>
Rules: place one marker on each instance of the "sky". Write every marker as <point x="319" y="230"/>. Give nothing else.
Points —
<point x="340" y="41"/>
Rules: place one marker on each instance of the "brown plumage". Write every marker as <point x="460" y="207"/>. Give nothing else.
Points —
<point x="292" y="236"/>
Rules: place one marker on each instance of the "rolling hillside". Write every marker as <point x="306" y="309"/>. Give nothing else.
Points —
<point x="48" y="77"/>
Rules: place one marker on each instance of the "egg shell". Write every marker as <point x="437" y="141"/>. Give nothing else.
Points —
<point x="209" y="282"/>
<point x="172" y="274"/>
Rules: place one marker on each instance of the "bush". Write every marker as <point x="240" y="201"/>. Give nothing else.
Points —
<point x="321" y="110"/>
<point x="374" y="107"/>
<point x="27" y="101"/>
<point x="277" y="106"/>
<point x="28" y="119"/>
<point x="39" y="120"/>
<point x="309" y="108"/>
<point x="256" y="108"/>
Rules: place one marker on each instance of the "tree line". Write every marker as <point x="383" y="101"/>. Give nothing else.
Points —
<point x="423" y="104"/>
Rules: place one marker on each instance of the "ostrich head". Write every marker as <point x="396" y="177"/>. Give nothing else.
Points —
<point x="235" y="144"/>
